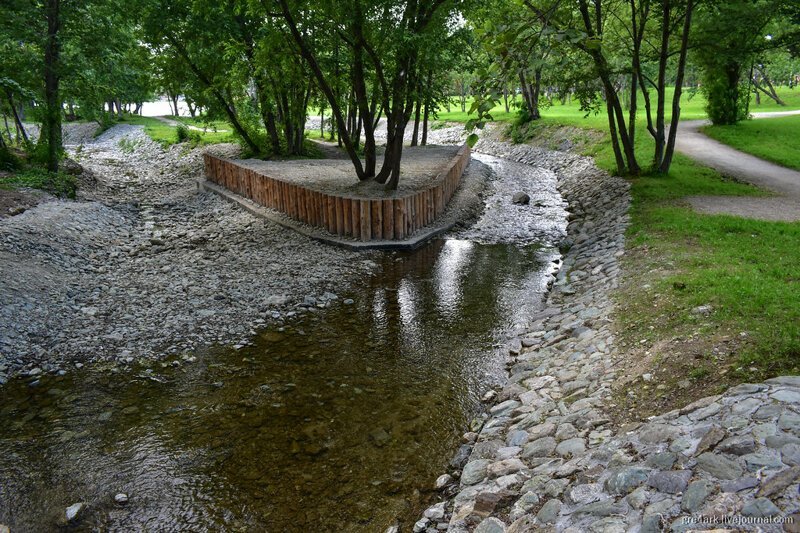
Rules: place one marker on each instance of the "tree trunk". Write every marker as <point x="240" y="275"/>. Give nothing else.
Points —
<point x="51" y="125"/>
<point x="366" y="107"/>
<point x="272" y="131"/>
<point x="417" y="116"/>
<point x="523" y="83"/>
<point x="426" y="114"/>
<point x="771" y="93"/>
<point x="8" y="131"/>
<point x="676" y="98"/>
<point x="535" y="90"/>
<point x="614" y="139"/>
<point x="324" y="87"/>
<point x="229" y="108"/>
<point x="637" y="29"/>
<point x="17" y="120"/>
<point x="613" y="105"/>
<point x="660" y="138"/>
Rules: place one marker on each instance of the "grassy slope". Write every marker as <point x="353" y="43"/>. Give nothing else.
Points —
<point x="773" y="139"/>
<point x="166" y="134"/>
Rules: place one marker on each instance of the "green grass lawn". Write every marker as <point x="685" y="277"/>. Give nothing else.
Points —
<point x="202" y="122"/>
<point x="166" y="134"/>
<point x="747" y="270"/>
<point x="692" y="107"/>
<point x="773" y="139"/>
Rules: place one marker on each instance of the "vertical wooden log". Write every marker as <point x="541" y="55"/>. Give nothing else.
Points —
<point x="365" y="213"/>
<point x="339" y="216"/>
<point x="399" y="218"/>
<point x="356" y="217"/>
<point x="388" y="220"/>
<point x="323" y="210"/>
<point x="410" y="216"/>
<point x="347" y="217"/>
<point x="418" y="211"/>
<point x="319" y="204"/>
<point x="377" y="219"/>
<point x="301" y="203"/>
<point x="331" y="226"/>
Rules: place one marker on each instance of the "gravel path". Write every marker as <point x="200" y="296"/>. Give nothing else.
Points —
<point x="144" y="265"/>
<point x="744" y="167"/>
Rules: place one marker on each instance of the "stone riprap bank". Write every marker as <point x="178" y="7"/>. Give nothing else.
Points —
<point x="546" y="458"/>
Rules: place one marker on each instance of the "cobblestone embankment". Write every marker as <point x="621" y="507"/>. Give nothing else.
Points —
<point x="545" y="457"/>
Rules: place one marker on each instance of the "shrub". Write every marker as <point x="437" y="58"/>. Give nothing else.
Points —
<point x="8" y="161"/>
<point x="184" y="134"/>
<point x="59" y="184"/>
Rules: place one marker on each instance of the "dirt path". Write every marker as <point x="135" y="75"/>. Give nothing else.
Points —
<point x="329" y="150"/>
<point x="745" y="167"/>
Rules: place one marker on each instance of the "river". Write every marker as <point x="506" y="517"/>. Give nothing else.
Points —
<point x="339" y="420"/>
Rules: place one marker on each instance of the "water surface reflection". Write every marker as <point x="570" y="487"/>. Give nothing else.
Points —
<point x="333" y="424"/>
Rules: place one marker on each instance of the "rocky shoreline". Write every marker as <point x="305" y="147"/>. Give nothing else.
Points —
<point x="144" y="266"/>
<point x="545" y="457"/>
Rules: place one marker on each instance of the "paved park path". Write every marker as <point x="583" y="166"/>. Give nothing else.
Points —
<point x="730" y="162"/>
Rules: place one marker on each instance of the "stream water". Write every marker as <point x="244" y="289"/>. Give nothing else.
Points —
<point x="338" y="421"/>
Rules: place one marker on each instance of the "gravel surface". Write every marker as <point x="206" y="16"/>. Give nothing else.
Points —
<point x="541" y="220"/>
<point x="450" y="133"/>
<point x="144" y="265"/>
<point x="75" y="133"/>
<point x="418" y="170"/>
<point x="13" y="202"/>
<point x="781" y="208"/>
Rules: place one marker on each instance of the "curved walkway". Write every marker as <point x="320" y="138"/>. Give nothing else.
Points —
<point x="745" y="167"/>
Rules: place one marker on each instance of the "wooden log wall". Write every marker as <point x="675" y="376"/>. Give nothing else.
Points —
<point x="364" y="219"/>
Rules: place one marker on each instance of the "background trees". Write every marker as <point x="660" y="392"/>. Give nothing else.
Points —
<point x="264" y="65"/>
<point x="389" y="71"/>
<point x="734" y="56"/>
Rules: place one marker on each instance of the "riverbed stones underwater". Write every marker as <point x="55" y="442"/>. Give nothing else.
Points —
<point x="545" y="456"/>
